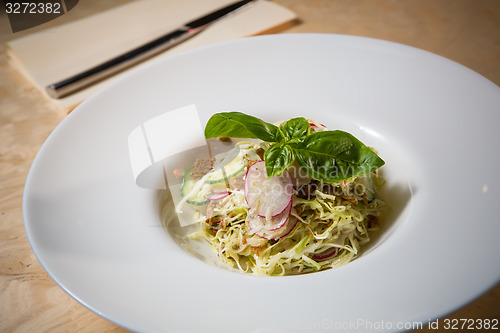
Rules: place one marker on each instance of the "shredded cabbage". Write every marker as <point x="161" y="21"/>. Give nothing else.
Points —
<point x="333" y="222"/>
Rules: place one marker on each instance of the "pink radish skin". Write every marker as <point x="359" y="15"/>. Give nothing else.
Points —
<point x="280" y="220"/>
<point x="217" y="195"/>
<point x="267" y="197"/>
<point x="276" y="234"/>
<point x="274" y="223"/>
<point x="326" y="254"/>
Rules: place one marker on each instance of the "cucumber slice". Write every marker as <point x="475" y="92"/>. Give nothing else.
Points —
<point x="231" y="169"/>
<point x="187" y="185"/>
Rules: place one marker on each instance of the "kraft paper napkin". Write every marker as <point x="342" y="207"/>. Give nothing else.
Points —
<point x="53" y="54"/>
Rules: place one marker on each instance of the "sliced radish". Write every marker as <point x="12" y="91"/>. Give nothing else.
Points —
<point x="255" y="223"/>
<point x="325" y="254"/>
<point x="278" y="221"/>
<point x="217" y="191"/>
<point x="267" y="197"/>
<point x="314" y="125"/>
<point x="217" y="195"/>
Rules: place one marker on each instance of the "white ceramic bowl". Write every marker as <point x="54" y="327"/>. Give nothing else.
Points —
<point x="100" y="237"/>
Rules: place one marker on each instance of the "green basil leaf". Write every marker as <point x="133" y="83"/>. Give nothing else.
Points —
<point x="278" y="157"/>
<point x="333" y="156"/>
<point x="295" y="129"/>
<point x="240" y="125"/>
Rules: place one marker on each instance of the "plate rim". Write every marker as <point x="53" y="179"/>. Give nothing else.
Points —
<point x="128" y="76"/>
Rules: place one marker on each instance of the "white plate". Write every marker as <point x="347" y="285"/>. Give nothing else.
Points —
<point x="100" y="237"/>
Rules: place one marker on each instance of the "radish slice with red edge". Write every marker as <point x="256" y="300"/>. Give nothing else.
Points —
<point x="217" y="195"/>
<point x="267" y="197"/>
<point x="260" y="230"/>
<point x="257" y="222"/>
<point x="325" y="254"/>
<point x="278" y="221"/>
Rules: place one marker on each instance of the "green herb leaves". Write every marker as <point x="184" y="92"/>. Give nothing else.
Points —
<point x="295" y="129"/>
<point x="327" y="156"/>
<point x="278" y="157"/>
<point x="332" y="156"/>
<point x="281" y="155"/>
<point x="240" y="125"/>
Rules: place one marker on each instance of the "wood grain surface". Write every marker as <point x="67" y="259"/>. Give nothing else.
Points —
<point x="466" y="31"/>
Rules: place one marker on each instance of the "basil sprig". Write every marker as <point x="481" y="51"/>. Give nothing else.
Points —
<point x="240" y="125"/>
<point x="327" y="156"/>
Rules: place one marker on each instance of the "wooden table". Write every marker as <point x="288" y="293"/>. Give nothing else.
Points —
<point x="466" y="31"/>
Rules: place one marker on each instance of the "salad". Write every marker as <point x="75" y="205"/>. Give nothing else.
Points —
<point x="290" y="198"/>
